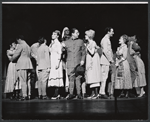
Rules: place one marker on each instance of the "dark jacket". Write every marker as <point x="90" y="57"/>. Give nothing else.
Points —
<point x="75" y="53"/>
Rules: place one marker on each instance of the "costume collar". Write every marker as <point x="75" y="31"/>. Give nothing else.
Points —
<point x="122" y="45"/>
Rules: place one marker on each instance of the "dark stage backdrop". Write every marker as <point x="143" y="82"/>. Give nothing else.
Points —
<point x="35" y="20"/>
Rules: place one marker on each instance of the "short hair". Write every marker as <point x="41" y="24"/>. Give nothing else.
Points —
<point x="90" y="33"/>
<point x="107" y="29"/>
<point x="41" y="40"/>
<point x="125" y="38"/>
<point x="20" y="37"/>
<point x="12" y="43"/>
<point x="73" y="30"/>
<point x="58" y="32"/>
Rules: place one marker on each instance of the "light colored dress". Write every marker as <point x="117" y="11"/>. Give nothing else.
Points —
<point x="56" y="75"/>
<point x="11" y="82"/>
<point x="123" y="75"/>
<point x="140" y="80"/>
<point x="93" y="72"/>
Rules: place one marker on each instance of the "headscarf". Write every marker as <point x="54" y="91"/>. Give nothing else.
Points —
<point x="66" y="28"/>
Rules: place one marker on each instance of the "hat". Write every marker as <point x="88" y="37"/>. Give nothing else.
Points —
<point x="90" y="33"/>
<point x="78" y="70"/>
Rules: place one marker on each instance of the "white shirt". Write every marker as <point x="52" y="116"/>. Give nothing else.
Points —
<point x="107" y="50"/>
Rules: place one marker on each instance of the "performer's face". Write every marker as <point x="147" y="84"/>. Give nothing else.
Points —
<point x="111" y="32"/>
<point x="67" y="32"/>
<point x="13" y="44"/>
<point x="75" y="34"/>
<point x="54" y="35"/>
<point x="121" y="41"/>
<point x="86" y="37"/>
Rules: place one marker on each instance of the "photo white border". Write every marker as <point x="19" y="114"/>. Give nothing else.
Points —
<point x="74" y="2"/>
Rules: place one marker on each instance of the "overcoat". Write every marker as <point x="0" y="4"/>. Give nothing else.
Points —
<point x="22" y="55"/>
<point x="75" y="53"/>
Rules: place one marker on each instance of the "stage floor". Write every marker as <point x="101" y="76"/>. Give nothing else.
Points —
<point x="99" y="109"/>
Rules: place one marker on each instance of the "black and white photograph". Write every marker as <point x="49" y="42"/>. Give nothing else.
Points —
<point x="74" y="61"/>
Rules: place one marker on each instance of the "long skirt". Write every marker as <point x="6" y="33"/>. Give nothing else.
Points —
<point x="10" y="78"/>
<point x="123" y="76"/>
<point x="93" y="70"/>
<point x="140" y="80"/>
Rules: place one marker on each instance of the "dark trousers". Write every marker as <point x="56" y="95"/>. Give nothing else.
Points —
<point x="75" y="81"/>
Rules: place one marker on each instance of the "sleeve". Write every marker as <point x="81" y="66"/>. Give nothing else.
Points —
<point x="49" y="48"/>
<point x="107" y="50"/>
<point x="59" y="50"/>
<point x="8" y="55"/>
<point x="17" y="53"/>
<point x="47" y="56"/>
<point x="32" y="52"/>
<point x="117" y="52"/>
<point x="131" y="51"/>
<point x="83" y="51"/>
<point x="63" y="44"/>
<point x="125" y="49"/>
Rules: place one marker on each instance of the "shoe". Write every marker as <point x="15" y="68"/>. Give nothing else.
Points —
<point x="144" y="95"/>
<point x="132" y="95"/>
<point x="121" y="95"/>
<point x="90" y="97"/>
<point x="79" y="97"/>
<point x="71" y="96"/>
<point x="11" y="98"/>
<point x="141" y="95"/>
<point x="103" y="96"/>
<point x="54" y="98"/>
<point x="67" y="96"/>
<point x="22" y="98"/>
<point x="62" y="97"/>
<point x="18" y="98"/>
<point x="127" y="95"/>
<point x="96" y="97"/>
<point x="111" y="97"/>
<point x="39" y="97"/>
<point x="45" y="98"/>
<point x="85" y="95"/>
<point x="29" y="97"/>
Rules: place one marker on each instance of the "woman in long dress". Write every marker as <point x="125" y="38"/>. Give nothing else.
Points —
<point x="11" y="72"/>
<point x="56" y="72"/>
<point x="140" y="81"/>
<point x="93" y="70"/>
<point x="65" y="37"/>
<point x="123" y="76"/>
